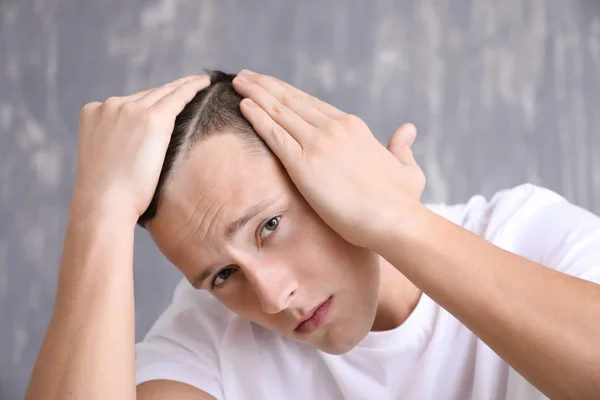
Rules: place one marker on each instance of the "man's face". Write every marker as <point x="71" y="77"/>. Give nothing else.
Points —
<point x="273" y="267"/>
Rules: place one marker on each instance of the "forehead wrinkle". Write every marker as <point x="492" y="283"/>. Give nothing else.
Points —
<point x="193" y="231"/>
<point x="210" y="224"/>
<point x="189" y="221"/>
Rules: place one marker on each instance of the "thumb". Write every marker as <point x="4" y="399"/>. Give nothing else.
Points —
<point x="401" y="141"/>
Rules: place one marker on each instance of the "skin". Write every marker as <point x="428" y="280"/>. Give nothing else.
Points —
<point x="368" y="196"/>
<point x="273" y="276"/>
<point x="88" y="351"/>
<point x="521" y="309"/>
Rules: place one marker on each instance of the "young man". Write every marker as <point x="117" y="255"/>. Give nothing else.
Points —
<point x="312" y="268"/>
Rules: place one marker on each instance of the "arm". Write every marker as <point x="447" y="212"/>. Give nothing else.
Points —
<point x="90" y="340"/>
<point x="543" y="323"/>
<point x="88" y="351"/>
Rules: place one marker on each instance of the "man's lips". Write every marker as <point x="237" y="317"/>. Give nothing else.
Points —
<point x="315" y="318"/>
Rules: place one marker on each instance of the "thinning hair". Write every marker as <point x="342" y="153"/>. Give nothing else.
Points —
<point x="214" y="110"/>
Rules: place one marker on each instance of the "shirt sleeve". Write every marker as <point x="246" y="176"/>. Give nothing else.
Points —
<point x="182" y="344"/>
<point x="572" y="243"/>
<point x="556" y="233"/>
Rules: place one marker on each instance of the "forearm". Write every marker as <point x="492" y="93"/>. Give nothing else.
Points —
<point x="88" y="351"/>
<point x="545" y="324"/>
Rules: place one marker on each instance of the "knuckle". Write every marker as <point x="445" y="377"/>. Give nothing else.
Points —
<point x="331" y="125"/>
<point x="112" y="102"/>
<point x="311" y="98"/>
<point x="170" y="85"/>
<point x="131" y="108"/>
<point x="352" y="120"/>
<point x="288" y="98"/>
<point x="353" y="123"/>
<point x="280" y="135"/>
<point x="89" y="108"/>
<point x="278" y="109"/>
<point x="278" y="132"/>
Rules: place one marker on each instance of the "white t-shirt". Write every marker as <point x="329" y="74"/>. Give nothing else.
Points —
<point x="430" y="356"/>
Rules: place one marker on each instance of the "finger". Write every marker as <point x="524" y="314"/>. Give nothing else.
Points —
<point x="285" y="147"/>
<point x="295" y="125"/>
<point x="174" y="102"/>
<point x="120" y="100"/>
<point x="138" y="95"/>
<point x="294" y="92"/>
<point x="175" y="83"/>
<point x="154" y="95"/>
<point x="299" y="104"/>
<point x="400" y="143"/>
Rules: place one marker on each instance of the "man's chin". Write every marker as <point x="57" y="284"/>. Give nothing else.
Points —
<point x="336" y="350"/>
<point x="341" y="341"/>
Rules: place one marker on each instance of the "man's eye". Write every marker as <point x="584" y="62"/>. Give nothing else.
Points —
<point x="269" y="227"/>
<point x="222" y="276"/>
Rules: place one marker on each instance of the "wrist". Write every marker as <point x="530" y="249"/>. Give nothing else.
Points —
<point x="95" y="243"/>
<point x="409" y="224"/>
<point x="96" y="209"/>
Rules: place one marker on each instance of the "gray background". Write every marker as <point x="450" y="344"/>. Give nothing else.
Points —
<point x="503" y="92"/>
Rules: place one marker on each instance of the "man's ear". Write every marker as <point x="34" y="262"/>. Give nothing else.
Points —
<point x="401" y="141"/>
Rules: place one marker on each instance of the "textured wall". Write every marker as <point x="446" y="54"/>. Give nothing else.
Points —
<point x="503" y="93"/>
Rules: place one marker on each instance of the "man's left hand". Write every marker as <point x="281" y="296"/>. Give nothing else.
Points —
<point x="354" y="183"/>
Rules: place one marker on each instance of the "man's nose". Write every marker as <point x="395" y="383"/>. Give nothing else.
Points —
<point x="274" y="284"/>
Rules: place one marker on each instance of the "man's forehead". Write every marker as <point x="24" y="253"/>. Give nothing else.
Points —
<point x="218" y="176"/>
<point x="218" y="167"/>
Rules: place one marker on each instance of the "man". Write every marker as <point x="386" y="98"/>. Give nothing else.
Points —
<point x="328" y="277"/>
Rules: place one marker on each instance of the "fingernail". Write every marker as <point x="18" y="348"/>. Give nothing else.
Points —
<point x="241" y="80"/>
<point x="248" y="102"/>
<point x="246" y="72"/>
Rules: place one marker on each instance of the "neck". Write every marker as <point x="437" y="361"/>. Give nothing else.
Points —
<point x="398" y="297"/>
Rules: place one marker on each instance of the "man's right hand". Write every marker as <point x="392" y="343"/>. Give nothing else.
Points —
<point x="122" y="146"/>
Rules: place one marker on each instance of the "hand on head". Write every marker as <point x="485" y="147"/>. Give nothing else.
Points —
<point x="122" y="145"/>
<point x="355" y="184"/>
<point x="347" y="176"/>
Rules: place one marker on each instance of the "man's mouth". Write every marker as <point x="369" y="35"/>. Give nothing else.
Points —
<point x="315" y="318"/>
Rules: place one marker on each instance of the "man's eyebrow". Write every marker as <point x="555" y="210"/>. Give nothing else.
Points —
<point x="232" y="229"/>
